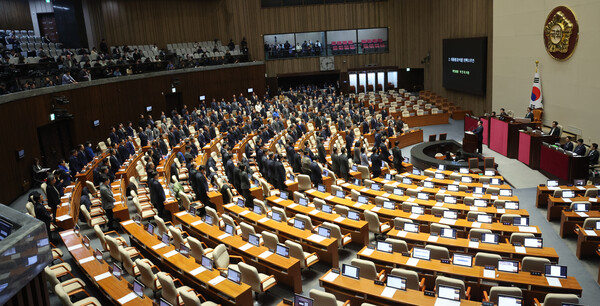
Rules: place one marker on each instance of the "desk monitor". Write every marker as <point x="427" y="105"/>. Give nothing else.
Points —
<point x="384" y="247"/>
<point x="257" y="210"/>
<point x="484" y="218"/>
<point x="283" y="195"/>
<point x="521" y="221"/>
<point x="423" y="196"/>
<point x="597" y="225"/>
<point x="375" y="187"/>
<point x="300" y="300"/>
<point x="324" y="232"/>
<point x="568" y="194"/>
<point x="453" y="187"/>
<point x="389" y="205"/>
<point x="511" y="266"/>
<point x="303" y="201"/>
<point x="150" y="229"/>
<point x="354" y="168"/>
<point x="362" y="199"/>
<point x="441" y="167"/>
<point x="490" y="238"/>
<point x="240" y="203"/>
<point x="207" y="263"/>
<point x="340" y="194"/>
<point x="448" y="293"/>
<point x="388" y="177"/>
<point x="398" y="192"/>
<point x="464" y="260"/>
<point x="115" y="270"/>
<point x="495" y="181"/>
<point x="490" y="172"/>
<point x="98" y="255"/>
<point x="292" y="178"/>
<point x="511" y="205"/>
<point x="428" y="184"/>
<point x="356" y="182"/>
<point x="192" y="211"/>
<point x="416" y="171"/>
<point x="299" y="224"/>
<point x="208" y="219"/>
<point x="229" y="229"/>
<point x="579" y="182"/>
<point x="350" y="271"/>
<point x="321" y="188"/>
<point x="411" y="227"/>
<point x="480" y="203"/>
<point x="405" y="160"/>
<point x="450" y="214"/>
<point x="353" y="215"/>
<point x="478" y="190"/>
<point x="149" y="108"/>
<point x="86" y="241"/>
<point x="417" y="210"/>
<point x="421" y="253"/>
<point x="552" y="183"/>
<point x="449" y="199"/>
<point x="440" y="176"/>
<point x="234" y="276"/>
<point x="506" y="192"/>
<point x="325" y="172"/>
<point x="406" y="181"/>
<point x="581" y="207"/>
<point x="184" y="250"/>
<point x="555" y="271"/>
<point x="138" y="288"/>
<point x="164" y="302"/>
<point x="253" y="240"/>
<point x="76" y="229"/>
<point x="466" y="179"/>
<point x="448" y="233"/>
<point x="507" y="300"/>
<point x="396" y="282"/>
<point x="326" y="208"/>
<point x="533" y="242"/>
<point x="165" y="239"/>
<point x="463" y="170"/>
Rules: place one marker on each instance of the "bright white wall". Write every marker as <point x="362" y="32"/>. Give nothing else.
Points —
<point x="571" y="88"/>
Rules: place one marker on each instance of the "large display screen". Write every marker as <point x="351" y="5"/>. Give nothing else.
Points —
<point x="464" y="64"/>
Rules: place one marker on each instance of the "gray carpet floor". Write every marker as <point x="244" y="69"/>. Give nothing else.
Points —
<point x="522" y="178"/>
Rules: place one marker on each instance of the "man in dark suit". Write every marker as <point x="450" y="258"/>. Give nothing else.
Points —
<point x="202" y="183"/>
<point x="162" y="145"/>
<point x="157" y="193"/>
<point x="529" y="114"/>
<point x="397" y="157"/>
<point x="555" y="130"/>
<point x="53" y="195"/>
<point x="245" y="185"/>
<point x="335" y="162"/>
<point x="349" y="141"/>
<point x="321" y="151"/>
<point x="568" y="146"/>
<point x="75" y="165"/>
<point x="305" y="162"/>
<point x="376" y="162"/>
<point x="40" y="211"/>
<point x="114" y="162"/>
<point x="478" y="131"/>
<point x="365" y="127"/>
<point x="229" y="167"/>
<point x="108" y="201"/>
<point x="279" y="175"/>
<point x="123" y="151"/>
<point x="343" y="161"/>
<point x="580" y="148"/>
<point x="316" y="176"/>
<point x="593" y="154"/>
<point x="114" y="138"/>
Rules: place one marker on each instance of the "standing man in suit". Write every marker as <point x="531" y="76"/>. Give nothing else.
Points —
<point x="157" y="194"/>
<point x="202" y="185"/>
<point x="568" y="146"/>
<point x="108" y="201"/>
<point x="335" y="163"/>
<point x="40" y="211"/>
<point x="316" y="176"/>
<point x="529" y="114"/>
<point x="555" y="130"/>
<point x="74" y="163"/>
<point x="306" y="162"/>
<point x="580" y="148"/>
<point x="321" y="151"/>
<point x="593" y="154"/>
<point x="376" y="162"/>
<point x="397" y="157"/>
<point x="343" y="161"/>
<point x="279" y="174"/>
<point x="478" y="131"/>
<point x="245" y="186"/>
<point x="53" y="195"/>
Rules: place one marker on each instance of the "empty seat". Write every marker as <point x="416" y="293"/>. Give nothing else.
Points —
<point x="499" y="290"/>
<point x="438" y="252"/>
<point x="486" y="259"/>
<point x="412" y="278"/>
<point x="367" y="269"/>
<point x="444" y="280"/>
<point x="374" y="225"/>
<point x="558" y="299"/>
<point x="530" y="263"/>
<point x="324" y="298"/>
<point x="259" y="282"/>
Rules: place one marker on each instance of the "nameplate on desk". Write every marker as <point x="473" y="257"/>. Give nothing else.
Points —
<point x="367" y="252"/>
<point x="127" y="298"/>
<point x="181" y="213"/>
<point x="310" y="190"/>
<point x="63" y="217"/>
<point x="527" y="229"/>
<point x="442" y="191"/>
<point x="429" y="179"/>
<point x="263" y="220"/>
<point x="553" y="281"/>
<point x="388" y="292"/>
<point x="229" y="205"/>
<point x="401" y="234"/>
<point x="385" y="195"/>
<point x="196" y="223"/>
<point x="339" y="219"/>
<point x="593" y="199"/>
<point x="412" y="262"/>
<point x="158" y="246"/>
<point x="473" y="208"/>
<point x="357" y="205"/>
<point x="580" y="187"/>
<point x="67" y="233"/>
<point x="197" y="270"/>
<point x="223" y="236"/>
<point x="520" y="249"/>
<point x="473" y="244"/>
<point x="420" y="188"/>
<point x="582" y="214"/>
<point x="278" y="200"/>
<point x="567" y="200"/>
<point x="411" y="199"/>
<point x="329" y="198"/>
<point x="116" y="194"/>
<point x="375" y="208"/>
<point x="316" y="238"/>
<point x="288" y="182"/>
<point x="476" y="224"/>
<point x="432" y="238"/>
<point x="74" y="247"/>
<point x="245" y="212"/>
<point x="216" y="280"/>
<point x="414" y="216"/>
<point x="102" y="276"/>
<point x="385" y="181"/>
<point x="365" y="189"/>
<point x="345" y="184"/>
<point x="494" y="197"/>
<point x="169" y="254"/>
<point x="489" y="273"/>
<point x="438" y="204"/>
<point x="127" y="222"/>
<point x="447" y="221"/>
<point x="590" y="232"/>
<point x="330" y="277"/>
<point x="500" y="210"/>
<point x="65" y="204"/>
<point x="265" y="254"/>
<point x="84" y="260"/>
<point x="245" y="247"/>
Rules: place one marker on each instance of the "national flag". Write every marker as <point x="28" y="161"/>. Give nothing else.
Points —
<point x="536" y="92"/>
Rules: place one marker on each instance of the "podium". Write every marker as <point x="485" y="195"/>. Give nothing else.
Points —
<point x="469" y="142"/>
<point x="530" y="144"/>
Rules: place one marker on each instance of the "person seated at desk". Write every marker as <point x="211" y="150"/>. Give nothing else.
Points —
<point x="593" y="154"/>
<point x="580" y="148"/>
<point x="529" y="114"/>
<point x="555" y="130"/>
<point x="568" y="146"/>
<point x="39" y="172"/>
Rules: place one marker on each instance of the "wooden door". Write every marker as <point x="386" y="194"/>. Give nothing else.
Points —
<point x="47" y="25"/>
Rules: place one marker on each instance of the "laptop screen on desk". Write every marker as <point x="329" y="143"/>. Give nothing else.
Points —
<point x="257" y="210"/>
<point x="138" y="288"/>
<point x="240" y="203"/>
<point x="555" y="271"/>
<point x="324" y="232"/>
<point x="428" y="184"/>
<point x="463" y="170"/>
<point x="321" y="188"/>
<point x="299" y="224"/>
<point x="326" y="208"/>
<point x="362" y="199"/>
<point x="406" y="181"/>
<point x="506" y="300"/>
<point x="303" y="201"/>
<point x="478" y="190"/>
<point x="411" y="227"/>
<point x="450" y="214"/>
<point x="423" y="196"/>
<point x="253" y="240"/>
<point x="448" y="292"/>
<point x="283" y="195"/>
<point x="384" y="247"/>
<point x="389" y="205"/>
<point x="568" y="194"/>
<point x="276" y="216"/>
<point x="353" y="215"/>
<point x="581" y="207"/>
<point x="282" y="250"/>
<point x="521" y="221"/>
<point x="208" y="219"/>
<point x="340" y="194"/>
<point x="490" y="238"/>
<point x="375" y="187"/>
<point x="511" y="205"/>
<point x="483" y="218"/>
<point x="421" y="253"/>
<point x="417" y="210"/>
<point x="552" y="183"/>
<point x="396" y="282"/>
<point x="464" y="260"/>
<point x="398" y="192"/>
<point x="511" y="266"/>
<point x="229" y="229"/>
<point x="357" y="182"/>
<point x="453" y="187"/>
<point x="300" y="300"/>
<point x="234" y="276"/>
<point x="350" y="271"/>
<point x="207" y="263"/>
<point x="388" y="177"/>
<point x="440" y="176"/>
<point x="466" y="179"/>
<point x="533" y="242"/>
<point x="506" y="192"/>
<point x="165" y="239"/>
<point x="448" y="233"/>
<point x="480" y="203"/>
<point x="416" y="171"/>
<point x="490" y="172"/>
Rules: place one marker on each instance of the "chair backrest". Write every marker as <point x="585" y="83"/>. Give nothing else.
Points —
<point x="221" y="256"/>
<point x="169" y="292"/>
<point x="270" y="240"/>
<point x="307" y="221"/>
<point x="318" y="203"/>
<point x="478" y="232"/>
<point x="492" y="190"/>
<point x="364" y="172"/>
<point x="508" y="217"/>
<point x="304" y="182"/>
<point x="86" y="215"/>
<point x="262" y="205"/>
<point x="519" y="237"/>
<point x="185" y="201"/>
<point x="443" y="280"/>
<point x="322" y="297"/>
<point x="437" y="227"/>
<point x="367" y="268"/>
<point x="213" y="214"/>
<point x="354" y="194"/>
<point x="412" y="277"/>
<point x="590" y="222"/>
<point x="335" y="232"/>
<point x="557" y="299"/>
<point x="373" y="221"/>
<point x="30" y="208"/>
<point x="341" y="210"/>
<point x="398" y="246"/>
<point x="147" y="277"/>
<point x="335" y="189"/>
<point x="91" y="188"/>
<point x="247" y="229"/>
<point x="196" y="248"/>
<point x="399" y="222"/>
<point x="161" y="226"/>
<point x="113" y="247"/>
<point x="62" y="295"/>
<point x="530" y="263"/>
<point x="296" y="251"/>
<point x="367" y="183"/>
<point x="126" y="261"/>
<point x="281" y="211"/>
<point x="189" y="298"/>
<point x="591" y="193"/>
<point x="483" y="259"/>
<point x="488" y="162"/>
<point x="473" y="163"/>
<point x="177" y="236"/>
<point x="438" y="252"/>
<point x="250" y="276"/>
<point x="510" y="291"/>
<point x="51" y="277"/>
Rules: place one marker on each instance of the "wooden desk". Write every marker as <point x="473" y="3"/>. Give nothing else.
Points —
<point x="88" y="174"/>
<point x="113" y="288"/>
<point x="569" y="220"/>
<point x="433" y="119"/>
<point x="543" y="192"/>
<point x="557" y="205"/>
<point x="187" y="269"/>
<point x="327" y="248"/>
<point x="532" y="286"/>
<point x="587" y="241"/>
<point x="363" y="290"/>
<point x="561" y="165"/>
<point x="530" y="145"/>
<point x="67" y="214"/>
<point x="359" y="230"/>
<point x="464" y="245"/>
<point x="286" y="270"/>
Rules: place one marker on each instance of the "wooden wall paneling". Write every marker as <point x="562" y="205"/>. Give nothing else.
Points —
<point x="14" y="15"/>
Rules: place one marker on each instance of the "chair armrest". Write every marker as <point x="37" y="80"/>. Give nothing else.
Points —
<point x="222" y="269"/>
<point x="74" y="280"/>
<point x="78" y="291"/>
<point x="468" y="293"/>
<point x="347" y="302"/>
<point x="201" y="297"/>
<point x="536" y="302"/>
<point x="382" y="272"/>
<point x="422" y="284"/>
<point x="384" y="223"/>
<point x="237" y="257"/>
<point x="486" y="298"/>
<point x="177" y="280"/>
<point x="266" y="279"/>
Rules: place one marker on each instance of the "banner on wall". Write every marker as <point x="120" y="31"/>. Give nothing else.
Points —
<point x="536" y="91"/>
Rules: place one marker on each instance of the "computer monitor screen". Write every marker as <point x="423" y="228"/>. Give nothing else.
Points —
<point x="300" y="300"/>
<point x="115" y="270"/>
<point x="164" y="302"/>
<point x="495" y="181"/>
<point x="138" y="288"/>
<point x="257" y="210"/>
<point x="326" y="208"/>
<point x="192" y="211"/>
<point x="76" y="229"/>
<point x="98" y="255"/>
<point x="375" y="187"/>
<point x="448" y="292"/>
<point x="552" y="183"/>
<point x="150" y="229"/>
<point x="406" y="181"/>
<point x="416" y="171"/>
<point x="276" y="216"/>
<point x="581" y="207"/>
<point x="229" y="229"/>
<point x="340" y="194"/>
<point x="490" y="238"/>
<point x="283" y="195"/>
<point x="453" y="188"/>
<point x="240" y="203"/>
<point x="299" y="224"/>
<point x="362" y="199"/>
<point x="464" y="260"/>
<point x="388" y="177"/>
<point x="511" y="205"/>
<point x="568" y="194"/>
<point x="253" y="240"/>
<point x="506" y="192"/>
<point x="291" y="177"/>
<point x="579" y="182"/>
<point x="207" y="263"/>
<point x="324" y="232"/>
<point x="511" y="266"/>
<point x="506" y="300"/>
<point x="396" y="282"/>
<point x="463" y="170"/>
<point x="417" y="210"/>
<point x="165" y="239"/>
<point x="480" y="203"/>
<point x="478" y="190"/>
<point x="484" y="218"/>
<point x="450" y="214"/>
<point x="321" y="188"/>
<point x="423" y="196"/>
<point x="441" y="167"/>
<point x="208" y="220"/>
<point x="353" y="215"/>
<point x="521" y="221"/>
<point x="384" y="247"/>
<point x="356" y="182"/>
<point x="389" y="205"/>
<point x="466" y="179"/>
<point x="448" y="233"/>
<point x="86" y="241"/>
<point x="398" y="192"/>
<point x="350" y="271"/>
<point x="533" y="242"/>
<point x="490" y="172"/>
<point x="325" y="172"/>
<point x="555" y="271"/>
<point x="184" y="250"/>
<point x="428" y="184"/>
<point x="421" y="253"/>
<point x="411" y="227"/>
<point x="354" y="168"/>
<point x="234" y="276"/>
<point x="440" y="176"/>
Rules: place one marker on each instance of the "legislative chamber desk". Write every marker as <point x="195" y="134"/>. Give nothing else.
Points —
<point x="408" y="138"/>
<point x="530" y="145"/>
<point x="326" y="248"/>
<point x="358" y="230"/>
<point x="117" y="291"/>
<point x="88" y="173"/>
<point x="556" y="205"/>
<point x="504" y="136"/>
<point x="423" y="120"/>
<point x="543" y="192"/>
<point x="285" y="270"/>
<point x="565" y="166"/>
<point x="587" y="241"/>
<point x="533" y="286"/>
<point x="570" y="219"/>
<point x="186" y="269"/>
<point x="363" y="290"/>
<point x="505" y="249"/>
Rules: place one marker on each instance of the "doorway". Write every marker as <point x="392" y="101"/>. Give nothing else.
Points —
<point x="55" y="142"/>
<point x="47" y="24"/>
<point x="173" y="101"/>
